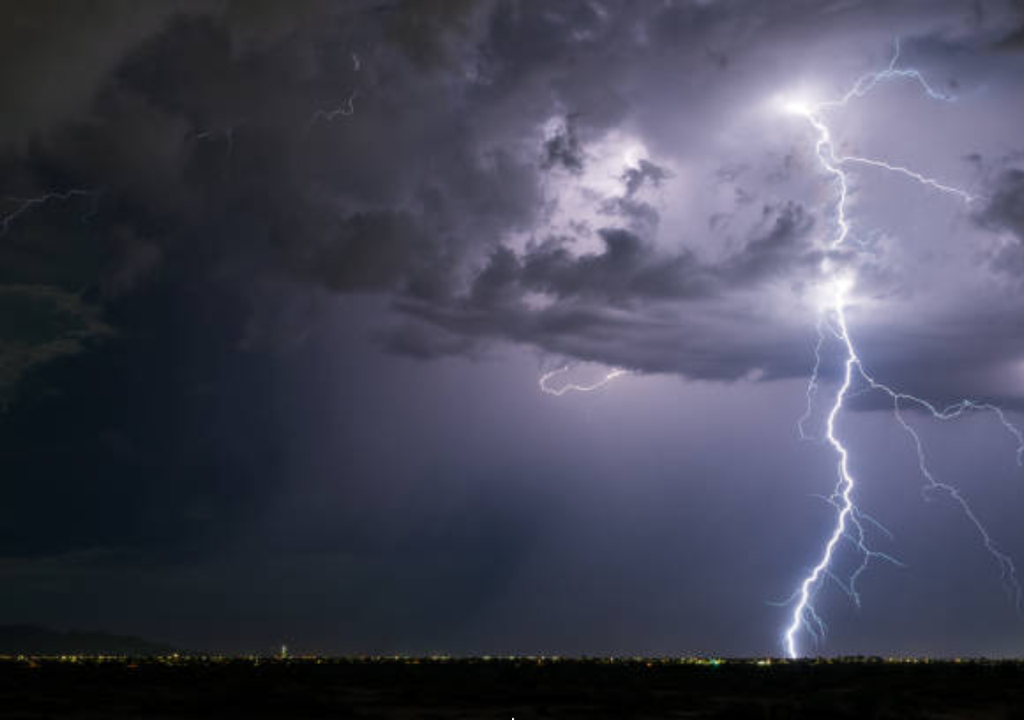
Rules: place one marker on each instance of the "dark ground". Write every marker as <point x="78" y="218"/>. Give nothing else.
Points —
<point x="517" y="688"/>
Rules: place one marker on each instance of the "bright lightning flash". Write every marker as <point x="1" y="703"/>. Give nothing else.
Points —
<point x="849" y="521"/>
<point x="797" y="106"/>
<point x="563" y="389"/>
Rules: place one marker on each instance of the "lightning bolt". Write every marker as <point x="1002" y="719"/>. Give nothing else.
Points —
<point x="346" y="109"/>
<point x="849" y="521"/>
<point x="559" y="391"/>
<point x="23" y="206"/>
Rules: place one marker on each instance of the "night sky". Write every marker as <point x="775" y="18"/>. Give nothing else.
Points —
<point x="278" y="282"/>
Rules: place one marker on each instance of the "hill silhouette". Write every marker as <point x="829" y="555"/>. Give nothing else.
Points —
<point x="37" y="640"/>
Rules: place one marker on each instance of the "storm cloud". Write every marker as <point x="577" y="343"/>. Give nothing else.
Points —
<point x="214" y="208"/>
<point x="443" y="184"/>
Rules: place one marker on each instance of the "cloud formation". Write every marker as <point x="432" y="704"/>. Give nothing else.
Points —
<point x="248" y="191"/>
<point x="599" y="180"/>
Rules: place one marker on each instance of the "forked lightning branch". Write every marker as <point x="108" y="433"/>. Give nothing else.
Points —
<point x="840" y="285"/>
<point x="849" y="526"/>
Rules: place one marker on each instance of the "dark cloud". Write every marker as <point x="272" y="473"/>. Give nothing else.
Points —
<point x="472" y="126"/>
<point x="200" y="125"/>
<point x="39" y="324"/>
<point x="377" y="252"/>
<point x="57" y="56"/>
<point x="245" y="332"/>
<point x="563" y="149"/>
<point x="611" y="306"/>
<point x="1013" y="40"/>
<point x="627" y="271"/>
<point x="781" y="248"/>
<point x="646" y="172"/>
<point x="1005" y="211"/>
<point x="639" y="216"/>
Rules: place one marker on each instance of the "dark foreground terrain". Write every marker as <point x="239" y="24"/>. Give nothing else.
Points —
<point x="514" y="688"/>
